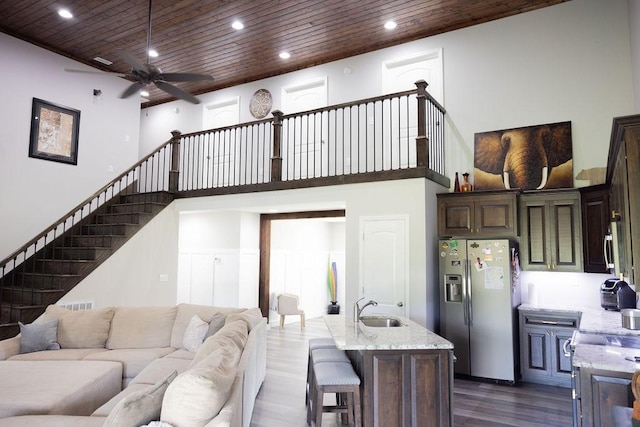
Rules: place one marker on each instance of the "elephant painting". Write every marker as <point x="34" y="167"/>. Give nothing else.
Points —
<point x="528" y="158"/>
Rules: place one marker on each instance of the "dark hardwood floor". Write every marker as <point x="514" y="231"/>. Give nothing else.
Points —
<point x="280" y="402"/>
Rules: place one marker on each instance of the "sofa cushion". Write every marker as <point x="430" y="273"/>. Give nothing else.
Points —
<point x="81" y="328"/>
<point x="140" y="407"/>
<point x="187" y="311"/>
<point x="63" y="354"/>
<point x="133" y="360"/>
<point x="252" y="316"/>
<point x="232" y="335"/>
<point x="104" y="410"/>
<point x="196" y="396"/>
<point x="51" y="421"/>
<point x="194" y="334"/>
<point x="159" y="369"/>
<point x="181" y="353"/>
<point x="39" y="336"/>
<point x="141" y="327"/>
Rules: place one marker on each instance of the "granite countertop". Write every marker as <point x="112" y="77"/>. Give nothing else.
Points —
<point x="608" y="358"/>
<point x="411" y="336"/>
<point x="592" y="320"/>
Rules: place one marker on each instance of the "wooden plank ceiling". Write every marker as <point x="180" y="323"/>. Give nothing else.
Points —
<point x="196" y="36"/>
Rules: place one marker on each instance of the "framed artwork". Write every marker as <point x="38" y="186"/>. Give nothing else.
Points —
<point x="54" y="132"/>
<point x="529" y="158"/>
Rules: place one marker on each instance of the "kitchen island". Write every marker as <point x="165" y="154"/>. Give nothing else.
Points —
<point x="406" y="372"/>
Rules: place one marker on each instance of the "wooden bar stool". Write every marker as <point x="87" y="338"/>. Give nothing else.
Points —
<point x="339" y="378"/>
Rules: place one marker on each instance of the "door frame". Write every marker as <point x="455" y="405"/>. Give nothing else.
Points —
<point x="265" y="248"/>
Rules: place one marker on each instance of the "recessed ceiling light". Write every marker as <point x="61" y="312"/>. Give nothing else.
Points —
<point x="153" y="53"/>
<point x="144" y="93"/>
<point x="65" y="13"/>
<point x="285" y="55"/>
<point x="102" y="60"/>
<point x="237" y="25"/>
<point x="390" y="25"/>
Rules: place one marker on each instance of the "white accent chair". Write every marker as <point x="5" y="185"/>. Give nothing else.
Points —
<point x="288" y="304"/>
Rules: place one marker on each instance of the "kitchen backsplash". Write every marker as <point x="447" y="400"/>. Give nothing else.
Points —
<point x="573" y="290"/>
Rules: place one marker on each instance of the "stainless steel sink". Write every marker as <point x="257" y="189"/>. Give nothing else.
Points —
<point x="381" y="322"/>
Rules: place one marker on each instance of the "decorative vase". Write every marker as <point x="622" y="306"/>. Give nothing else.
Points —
<point x="466" y="185"/>
<point x="333" y="308"/>
<point x="456" y="184"/>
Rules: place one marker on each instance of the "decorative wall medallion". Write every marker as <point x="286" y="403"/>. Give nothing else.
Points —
<point x="260" y="104"/>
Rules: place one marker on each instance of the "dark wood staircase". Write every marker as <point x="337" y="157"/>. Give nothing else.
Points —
<point x="52" y="271"/>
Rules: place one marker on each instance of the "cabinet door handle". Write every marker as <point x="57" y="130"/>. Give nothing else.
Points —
<point x="565" y="349"/>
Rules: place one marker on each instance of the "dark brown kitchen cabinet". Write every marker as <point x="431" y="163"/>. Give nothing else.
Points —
<point x="543" y="338"/>
<point x="551" y="230"/>
<point x="595" y="223"/>
<point x="600" y="391"/>
<point x="478" y="214"/>
<point x="623" y="177"/>
<point x="405" y="387"/>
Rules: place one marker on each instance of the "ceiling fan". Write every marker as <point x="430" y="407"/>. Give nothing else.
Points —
<point x="144" y="74"/>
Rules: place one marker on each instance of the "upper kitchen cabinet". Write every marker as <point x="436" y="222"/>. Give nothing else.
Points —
<point x="595" y="223"/>
<point x="623" y="176"/>
<point x="478" y="214"/>
<point x="551" y="230"/>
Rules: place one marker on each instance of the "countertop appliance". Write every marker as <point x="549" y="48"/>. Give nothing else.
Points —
<point x="478" y="306"/>
<point x="616" y="294"/>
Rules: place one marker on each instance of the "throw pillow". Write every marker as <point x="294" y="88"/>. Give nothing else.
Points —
<point x="195" y="397"/>
<point x="253" y="317"/>
<point x="140" y="407"/>
<point x="217" y="322"/>
<point x="194" y="334"/>
<point x="39" y="336"/>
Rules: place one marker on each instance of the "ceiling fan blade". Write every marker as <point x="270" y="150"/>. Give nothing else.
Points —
<point x="135" y="87"/>
<point x="106" y="73"/>
<point x="177" y="92"/>
<point x="184" y="77"/>
<point x="132" y="61"/>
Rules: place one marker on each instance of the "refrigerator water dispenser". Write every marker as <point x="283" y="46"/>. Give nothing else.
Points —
<point x="453" y="286"/>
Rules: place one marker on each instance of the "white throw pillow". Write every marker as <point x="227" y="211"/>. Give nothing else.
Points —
<point x="140" y="407"/>
<point x="194" y="334"/>
<point x="195" y="397"/>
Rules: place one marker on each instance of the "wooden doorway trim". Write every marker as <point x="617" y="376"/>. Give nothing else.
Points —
<point x="265" y="248"/>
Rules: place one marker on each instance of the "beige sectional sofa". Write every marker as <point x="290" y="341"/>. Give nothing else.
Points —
<point x="185" y="365"/>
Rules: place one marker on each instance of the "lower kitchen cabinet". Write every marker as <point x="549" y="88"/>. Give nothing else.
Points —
<point x="543" y="337"/>
<point x="599" y="392"/>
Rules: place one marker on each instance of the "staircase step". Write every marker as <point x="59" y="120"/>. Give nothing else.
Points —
<point x="109" y="229"/>
<point x="61" y="266"/>
<point x="89" y="241"/>
<point x="122" y="218"/>
<point x="77" y="253"/>
<point x="160" y="197"/>
<point x="46" y="281"/>
<point x="9" y="330"/>
<point x="20" y="313"/>
<point x="26" y="296"/>
<point x="149" y="207"/>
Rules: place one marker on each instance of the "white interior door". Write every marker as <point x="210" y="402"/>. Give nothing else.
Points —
<point x="384" y="264"/>
<point x="196" y="277"/>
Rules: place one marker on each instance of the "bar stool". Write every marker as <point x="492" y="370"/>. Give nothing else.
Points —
<point x="315" y="343"/>
<point x="339" y="378"/>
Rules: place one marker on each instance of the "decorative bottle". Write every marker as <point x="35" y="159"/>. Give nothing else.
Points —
<point x="466" y="185"/>
<point x="456" y="184"/>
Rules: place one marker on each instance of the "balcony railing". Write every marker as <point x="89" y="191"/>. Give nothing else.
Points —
<point x="371" y="139"/>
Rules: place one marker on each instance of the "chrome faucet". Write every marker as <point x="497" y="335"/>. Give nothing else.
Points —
<point x="357" y="310"/>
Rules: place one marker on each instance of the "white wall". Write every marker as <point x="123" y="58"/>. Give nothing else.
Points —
<point x="143" y="272"/>
<point x="37" y="192"/>
<point x="569" y="62"/>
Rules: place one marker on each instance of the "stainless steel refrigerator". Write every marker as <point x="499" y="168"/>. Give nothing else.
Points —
<point x="478" y="303"/>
